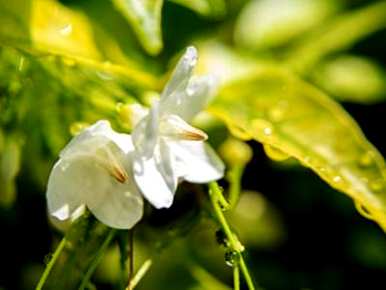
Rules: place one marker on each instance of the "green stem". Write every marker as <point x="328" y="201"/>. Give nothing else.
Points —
<point x="97" y="259"/>
<point x="140" y="274"/>
<point x="236" y="277"/>
<point x="247" y="276"/>
<point x="51" y="263"/>
<point x="234" y="179"/>
<point x="234" y="243"/>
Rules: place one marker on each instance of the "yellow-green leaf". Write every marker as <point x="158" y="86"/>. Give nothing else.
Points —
<point x="144" y="17"/>
<point x="353" y="79"/>
<point x="338" y="34"/>
<point x="263" y="24"/>
<point x="276" y="108"/>
<point x="207" y="8"/>
<point x="47" y="27"/>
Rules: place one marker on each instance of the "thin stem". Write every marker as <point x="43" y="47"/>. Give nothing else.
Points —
<point x="215" y="194"/>
<point x="131" y="254"/>
<point x="97" y="259"/>
<point x="234" y="243"/>
<point x="51" y="263"/>
<point x="236" y="277"/>
<point x="247" y="276"/>
<point x="234" y="179"/>
<point x="140" y="274"/>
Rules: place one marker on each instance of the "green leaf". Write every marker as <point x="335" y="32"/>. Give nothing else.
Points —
<point x="352" y="78"/>
<point x="207" y="8"/>
<point x="339" y="34"/>
<point x="144" y="17"/>
<point x="47" y="27"/>
<point x="279" y="110"/>
<point x="261" y="24"/>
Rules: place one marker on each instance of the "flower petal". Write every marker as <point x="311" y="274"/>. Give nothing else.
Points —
<point x="197" y="161"/>
<point x="156" y="177"/>
<point x="118" y="205"/>
<point x="196" y="96"/>
<point x="181" y="74"/>
<point x="172" y="126"/>
<point x="94" y="137"/>
<point x="65" y="189"/>
<point x="75" y="182"/>
<point x="145" y="134"/>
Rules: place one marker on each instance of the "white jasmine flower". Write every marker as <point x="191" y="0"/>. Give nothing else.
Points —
<point x="167" y="148"/>
<point x="94" y="171"/>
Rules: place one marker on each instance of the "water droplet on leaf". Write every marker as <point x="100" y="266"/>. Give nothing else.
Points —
<point x="366" y="159"/>
<point x="337" y="179"/>
<point x="275" y="154"/>
<point x="66" y="30"/>
<point x="377" y="185"/>
<point x="262" y="127"/>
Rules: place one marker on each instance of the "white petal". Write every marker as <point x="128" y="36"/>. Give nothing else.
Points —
<point x="193" y="99"/>
<point x="145" y="134"/>
<point x="181" y="74"/>
<point x="156" y="178"/>
<point x="172" y="126"/>
<point x="197" y="161"/>
<point x="94" y="137"/>
<point x="118" y="205"/>
<point x="76" y="182"/>
<point x="65" y="189"/>
<point x="137" y="113"/>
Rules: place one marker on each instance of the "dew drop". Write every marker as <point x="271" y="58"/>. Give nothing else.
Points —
<point x="366" y="159"/>
<point x="307" y="159"/>
<point x="239" y="132"/>
<point x="267" y="131"/>
<point x="275" y="154"/>
<point x="337" y="179"/>
<point x="21" y="65"/>
<point x="262" y="126"/>
<point x="104" y="76"/>
<point x="276" y="114"/>
<point x="190" y="91"/>
<point x="66" y="30"/>
<point x="69" y="62"/>
<point x="231" y="258"/>
<point x="377" y="185"/>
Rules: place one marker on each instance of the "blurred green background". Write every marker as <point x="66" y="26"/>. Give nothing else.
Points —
<point x="65" y="64"/>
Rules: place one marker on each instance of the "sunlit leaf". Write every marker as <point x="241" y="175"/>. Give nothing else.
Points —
<point x="339" y="34"/>
<point x="262" y="24"/>
<point x="145" y="19"/>
<point x="46" y="27"/>
<point x="353" y="79"/>
<point x="279" y="110"/>
<point x="208" y="8"/>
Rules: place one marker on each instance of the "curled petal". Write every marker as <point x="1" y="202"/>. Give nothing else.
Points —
<point x="197" y="161"/>
<point x="156" y="177"/>
<point x="66" y="189"/>
<point x="172" y="126"/>
<point x="76" y="182"/>
<point x="181" y="75"/>
<point x="193" y="99"/>
<point x="96" y="136"/>
<point x="145" y="134"/>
